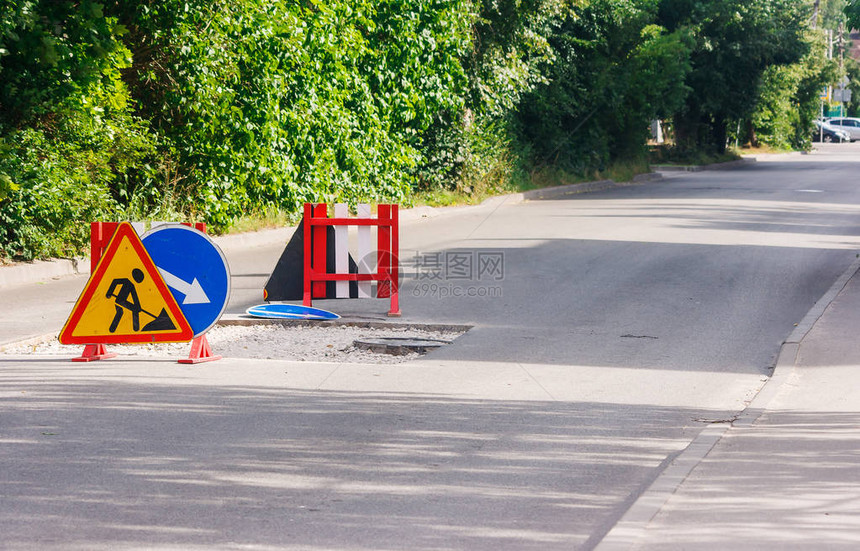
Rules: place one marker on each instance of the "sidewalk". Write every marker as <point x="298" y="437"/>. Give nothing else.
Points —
<point x="785" y="475"/>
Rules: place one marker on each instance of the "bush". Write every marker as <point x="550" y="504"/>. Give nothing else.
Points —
<point x="47" y="214"/>
<point x="272" y="104"/>
<point x="69" y="147"/>
<point x="210" y="110"/>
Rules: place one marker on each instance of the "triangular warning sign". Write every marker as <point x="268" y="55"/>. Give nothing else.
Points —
<point x="126" y="300"/>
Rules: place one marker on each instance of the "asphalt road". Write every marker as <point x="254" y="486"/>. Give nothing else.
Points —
<point x="610" y="328"/>
<point x="643" y="312"/>
<point x="704" y="271"/>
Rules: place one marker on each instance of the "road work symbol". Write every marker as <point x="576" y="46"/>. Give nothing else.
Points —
<point x="126" y="300"/>
<point x="125" y="295"/>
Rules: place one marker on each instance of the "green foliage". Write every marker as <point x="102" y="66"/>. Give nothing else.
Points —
<point x="510" y="51"/>
<point x="775" y="119"/>
<point x="494" y="160"/>
<point x="7" y="186"/>
<point x="248" y="106"/>
<point x="616" y="71"/>
<point x="852" y="13"/>
<point x="46" y="215"/>
<point x="736" y="42"/>
<point x="788" y="99"/>
<point x="54" y="52"/>
<point x="471" y="144"/>
<point x="278" y="103"/>
<point x="69" y="146"/>
<point x="211" y="110"/>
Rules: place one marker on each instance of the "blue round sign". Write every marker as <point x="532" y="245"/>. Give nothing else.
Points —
<point x="194" y="269"/>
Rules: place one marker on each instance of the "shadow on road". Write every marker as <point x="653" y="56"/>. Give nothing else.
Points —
<point x="84" y="464"/>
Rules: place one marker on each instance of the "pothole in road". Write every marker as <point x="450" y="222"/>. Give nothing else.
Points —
<point x="399" y="346"/>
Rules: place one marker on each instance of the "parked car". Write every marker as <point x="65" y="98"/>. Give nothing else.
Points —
<point x="827" y="133"/>
<point x="823" y="131"/>
<point x="848" y="124"/>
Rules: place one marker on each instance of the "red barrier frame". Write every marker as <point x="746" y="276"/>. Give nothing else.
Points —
<point x="388" y="246"/>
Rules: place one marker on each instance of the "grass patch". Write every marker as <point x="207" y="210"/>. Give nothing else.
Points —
<point x="668" y="155"/>
<point x="264" y="220"/>
<point x="458" y="196"/>
<point x="762" y="149"/>
<point x="621" y="171"/>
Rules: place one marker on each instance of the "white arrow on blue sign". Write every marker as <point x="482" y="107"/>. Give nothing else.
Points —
<point x="194" y="269"/>
<point x="193" y="291"/>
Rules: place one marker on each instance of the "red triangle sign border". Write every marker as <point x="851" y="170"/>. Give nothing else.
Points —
<point x="125" y="231"/>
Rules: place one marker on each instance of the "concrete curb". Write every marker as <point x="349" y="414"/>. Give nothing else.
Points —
<point x="699" y="168"/>
<point x="821" y="305"/>
<point x="627" y="532"/>
<point x="39" y="270"/>
<point x="561" y="192"/>
<point x="631" y="528"/>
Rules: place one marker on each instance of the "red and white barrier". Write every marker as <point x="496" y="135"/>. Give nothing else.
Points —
<point x="386" y="270"/>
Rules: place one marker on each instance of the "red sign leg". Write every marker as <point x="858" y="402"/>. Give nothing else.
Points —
<point x="93" y="352"/>
<point x="394" y="269"/>
<point x="200" y="352"/>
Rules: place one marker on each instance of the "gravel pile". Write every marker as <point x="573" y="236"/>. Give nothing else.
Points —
<point x="311" y="343"/>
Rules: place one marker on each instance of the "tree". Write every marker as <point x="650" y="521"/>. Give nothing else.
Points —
<point x="736" y="42"/>
<point x="615" y="70"/>
<point x="69" y="142"/>
<point x="852" y="13"/>
<point x="788" y="101"/>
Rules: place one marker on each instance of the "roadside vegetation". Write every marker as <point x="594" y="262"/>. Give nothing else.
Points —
<point x="226" y="112"/>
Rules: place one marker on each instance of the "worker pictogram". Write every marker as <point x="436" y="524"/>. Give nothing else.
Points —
<point x="126" y="299"/>
<point x="124" y="293"/>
